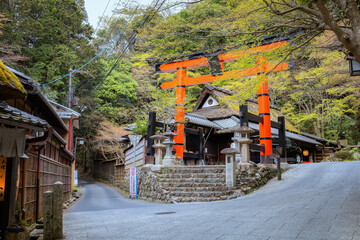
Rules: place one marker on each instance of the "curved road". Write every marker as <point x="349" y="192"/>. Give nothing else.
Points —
<point x="97" y="197"/>
<point x="313" y="201"/>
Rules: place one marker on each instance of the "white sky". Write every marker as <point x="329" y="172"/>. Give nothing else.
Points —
<point x="95" y="8"/>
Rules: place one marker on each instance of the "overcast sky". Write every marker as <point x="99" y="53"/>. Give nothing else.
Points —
<point x="95" y="8"/>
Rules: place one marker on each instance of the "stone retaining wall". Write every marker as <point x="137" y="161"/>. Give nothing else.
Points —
<point x="255" y="177"/>
<point x="151" y="185"/>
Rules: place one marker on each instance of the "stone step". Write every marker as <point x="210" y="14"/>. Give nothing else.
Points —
<point x="201" y="194"/>
<point x="197" y="180"/>
<point x="194" y="169"/>
<point x="192" y="175"/>
<point x="195" y="199"/>
<point x="199" y="189"/>
<point x="192" y="184"/>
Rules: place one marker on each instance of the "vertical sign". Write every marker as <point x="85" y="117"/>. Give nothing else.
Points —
<point x="2" y="178"/>
<point x="134" y="139"/>
<point x="133" y="183"/>
<point x="76" y="178"/>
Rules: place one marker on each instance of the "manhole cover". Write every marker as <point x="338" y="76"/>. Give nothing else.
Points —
<point x="163" y="213"/>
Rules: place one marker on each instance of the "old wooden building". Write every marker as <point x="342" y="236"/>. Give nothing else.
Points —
<point x="33" y="152"/>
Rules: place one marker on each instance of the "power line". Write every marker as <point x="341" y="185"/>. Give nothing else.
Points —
<point x="89" y="60"/>
<point x="132" y="39"/>
<point x="101" y="17"/>
<point x="79" y="87"/>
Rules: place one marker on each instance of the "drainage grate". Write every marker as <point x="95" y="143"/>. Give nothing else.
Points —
<point x="164" y="213"/>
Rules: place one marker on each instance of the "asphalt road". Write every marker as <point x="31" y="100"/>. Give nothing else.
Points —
<point x="313" y="201"/>
<point x="97" y="197"/>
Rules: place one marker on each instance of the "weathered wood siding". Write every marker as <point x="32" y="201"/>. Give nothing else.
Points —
<point x="119" y="172"/>
<point x="139" y="155"/>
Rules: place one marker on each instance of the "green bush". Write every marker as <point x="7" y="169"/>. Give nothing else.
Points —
<point x="344" y="155"/>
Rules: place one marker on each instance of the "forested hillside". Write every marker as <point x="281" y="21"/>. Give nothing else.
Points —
<point x="116" y="86"/>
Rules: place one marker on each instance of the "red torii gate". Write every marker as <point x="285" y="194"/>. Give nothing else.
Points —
<point x="216" y="63"/>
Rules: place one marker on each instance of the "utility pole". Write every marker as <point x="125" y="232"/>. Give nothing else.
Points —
<point x="70" y="88"/>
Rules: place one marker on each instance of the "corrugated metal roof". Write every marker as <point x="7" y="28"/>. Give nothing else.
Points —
<point x="291" y="135"/>
<point x="66" y="112"/>
<point x="318" y="138"/>
<point x="10" y="113"/>
<point x="301" y="138"/>
<point x="200" y="120"/>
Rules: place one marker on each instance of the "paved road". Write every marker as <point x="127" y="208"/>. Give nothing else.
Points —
<point x="313" y="201"/>
<point x="97" y="197"/>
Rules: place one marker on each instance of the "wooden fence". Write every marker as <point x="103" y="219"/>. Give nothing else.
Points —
<point x="51" y="170"/>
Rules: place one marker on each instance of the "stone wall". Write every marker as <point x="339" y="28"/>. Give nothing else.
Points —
<point x="152" y="187"/>
<point x="255" y="177"/>
<point x="149" y="186"/>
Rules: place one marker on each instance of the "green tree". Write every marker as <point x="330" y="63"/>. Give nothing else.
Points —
<point x="255" y="18"/>
<point x="53" y="34"/>
<point x="114" y="95"/>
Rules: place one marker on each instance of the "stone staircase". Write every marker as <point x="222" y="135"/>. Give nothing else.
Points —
<point x="195" y="183"/>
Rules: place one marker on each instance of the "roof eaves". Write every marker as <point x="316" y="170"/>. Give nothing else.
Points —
<point x="14" y="114"/>
<point x="30" y="82"/>
<point x="65" y="108"/>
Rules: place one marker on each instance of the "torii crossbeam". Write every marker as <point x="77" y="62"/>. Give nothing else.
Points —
<point x="216" y="62"/>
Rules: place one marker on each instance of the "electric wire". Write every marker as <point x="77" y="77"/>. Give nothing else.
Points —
<point x="111" y="49"/>
<point x="101" y="17"/>
<point x="131" y="41"/>
<point x="78" y="69"/>
<point x="42" y="85"/>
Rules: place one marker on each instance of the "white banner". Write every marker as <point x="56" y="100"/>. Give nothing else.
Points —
<point x="133" y="183"/>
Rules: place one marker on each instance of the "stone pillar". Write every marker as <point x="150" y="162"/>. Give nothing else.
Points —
<point x="236" y="139"/>
<point x="245" y="151"/>
<point x="169" y="158"/>
<point x="245" y="142"/>
<point x="230" y="166"/>
<point x="159" y="147"/>
<point x="48" y="215"/>
<point x="58" y="210"/>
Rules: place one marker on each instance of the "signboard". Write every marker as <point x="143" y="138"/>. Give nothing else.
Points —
<point x="76" y="178"/>
<point x="134" y="139"/>
<point x="133" y="183"/>
<point x="2" y="178"/>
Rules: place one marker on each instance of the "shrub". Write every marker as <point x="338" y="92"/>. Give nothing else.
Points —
<point x="344" y="155"/>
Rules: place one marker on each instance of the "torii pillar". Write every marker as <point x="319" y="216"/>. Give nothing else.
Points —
<point x="180" y="112"/>
<point x="264" y="112"/>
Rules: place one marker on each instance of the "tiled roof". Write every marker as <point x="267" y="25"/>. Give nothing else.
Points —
<point x="227" y="122"/>
<point x="200" y="120"/>
<point x="216" y="112"/>
<point x="13" y="114"/>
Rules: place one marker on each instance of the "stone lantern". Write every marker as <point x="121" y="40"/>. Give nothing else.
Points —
<point x="159" y="147"/>
<point x="230" y="166"/>
<point x="244" y="140"/>
<point x="169" y="143"/>
<point x="237" y="139"/>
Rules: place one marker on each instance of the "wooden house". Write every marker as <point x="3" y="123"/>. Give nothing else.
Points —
<point x="210" y="115"/>
<point x="33" y="152"/>
<point x="71" y="119"/>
